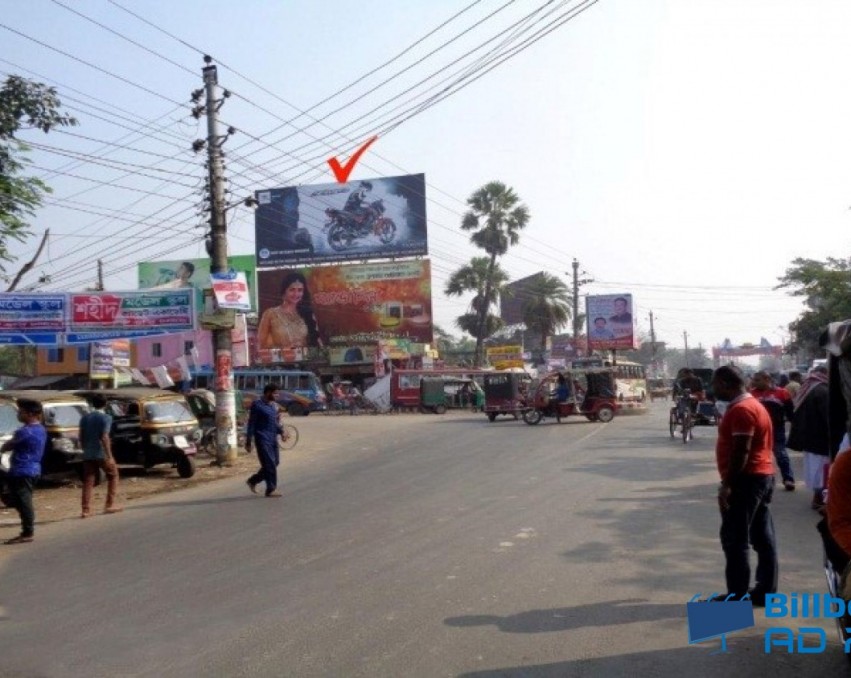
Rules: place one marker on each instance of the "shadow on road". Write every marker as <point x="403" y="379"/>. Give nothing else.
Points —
<point x="610" y="613"/>
<point x="744" y="659"/>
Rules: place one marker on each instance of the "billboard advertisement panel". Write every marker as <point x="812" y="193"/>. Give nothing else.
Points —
<point x="366" y="219"/>
<point x="194" y="273"/>
<point x="344" y="306"/>
<point x="611" y="322"/>
<point x="512" y="303"/>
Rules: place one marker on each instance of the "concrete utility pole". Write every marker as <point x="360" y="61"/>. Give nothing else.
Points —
<point x="652" y="339"/>
<point x="685" y="341"/>
<point x="222" y="343"/>
<point x="576" y="306"/>
<point x="99" y="283"/>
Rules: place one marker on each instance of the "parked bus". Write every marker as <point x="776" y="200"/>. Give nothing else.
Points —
<point x="301" y="391"/>
<point x="630" y="379"/>
<point x="405" y="384"/>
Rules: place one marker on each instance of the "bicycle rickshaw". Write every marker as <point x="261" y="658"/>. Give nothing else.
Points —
<point x="681" y="419"/>
<point x="590" y="393"/>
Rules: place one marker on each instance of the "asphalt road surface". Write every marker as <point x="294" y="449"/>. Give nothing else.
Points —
<point x="412" y="545"/>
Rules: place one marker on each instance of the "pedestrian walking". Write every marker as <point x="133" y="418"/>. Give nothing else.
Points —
<point x="809" y="431"/>
<point x="263" y="430"/>
<point x="777" y="401"/>
<point x="97" y="456"/>
<point x="744" y="453"/>
<point x="27" y="445"/>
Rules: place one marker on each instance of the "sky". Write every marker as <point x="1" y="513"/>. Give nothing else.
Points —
<point x="683" y="151"/>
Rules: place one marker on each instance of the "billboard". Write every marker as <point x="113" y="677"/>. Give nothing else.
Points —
<point x="513" y="300"/>
<point x="367" y="219"/>
<point x="344" y="306"/>
<point x="194" y="273"/>
<point x="611" y="322"/>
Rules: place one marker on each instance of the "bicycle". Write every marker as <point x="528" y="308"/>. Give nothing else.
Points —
<point x="681" y="418"/>
<point x="289" y="439"/>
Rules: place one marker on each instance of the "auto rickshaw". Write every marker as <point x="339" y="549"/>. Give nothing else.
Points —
<point x="61" y="418"/>
<point x="506" y="393"/>
<point x="151" y="427"/>
<point x="432" y="395"/>
<point x="590" y="393"/>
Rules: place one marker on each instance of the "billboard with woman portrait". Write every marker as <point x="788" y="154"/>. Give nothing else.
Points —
<point x="345" y="305"/>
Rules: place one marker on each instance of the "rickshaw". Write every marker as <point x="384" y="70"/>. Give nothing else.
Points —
<point x="659" y="388"/>
<point x="151" y="427"/>
<point x="62" y="414"/>
<point x="432" y="395"/>
<point x="595" y="399"/>
<point x="506" y="393"/>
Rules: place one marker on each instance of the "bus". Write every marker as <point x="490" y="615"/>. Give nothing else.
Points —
<point x="301" y="391"/>
<point x="405" y="384"/>
<point x="630" y="379"/>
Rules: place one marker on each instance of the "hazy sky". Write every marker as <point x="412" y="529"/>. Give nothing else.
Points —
<point x="684" y="151"/>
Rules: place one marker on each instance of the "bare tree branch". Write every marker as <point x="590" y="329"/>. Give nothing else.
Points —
<point x="26" y="268"/>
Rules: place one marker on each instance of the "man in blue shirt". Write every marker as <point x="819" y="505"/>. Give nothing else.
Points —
<point x="97" y="455"/>
<point x="27" y="447"/>
<point x="263" y="429"/>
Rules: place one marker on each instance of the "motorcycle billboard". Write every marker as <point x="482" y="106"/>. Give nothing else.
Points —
<point x="611" y="322"/>
<point x="365" y="219"/>
<point x="348" y="305"/>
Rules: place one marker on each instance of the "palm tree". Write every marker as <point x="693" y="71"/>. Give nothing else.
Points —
<point x="476" y="277"/>
<point x="547" y="307"/>
<point x="496" y="218"/>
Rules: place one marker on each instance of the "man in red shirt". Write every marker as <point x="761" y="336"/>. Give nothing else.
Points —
<point x="778" y="402"/>
<point x="745" y="462"/>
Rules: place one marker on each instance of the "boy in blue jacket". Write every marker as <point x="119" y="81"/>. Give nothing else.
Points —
<point x="27" y="447"/>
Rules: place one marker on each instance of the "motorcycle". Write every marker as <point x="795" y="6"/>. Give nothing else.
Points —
<point x="343" y="228"/>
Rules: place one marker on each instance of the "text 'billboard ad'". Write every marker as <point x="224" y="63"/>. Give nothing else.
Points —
<point x="611" y="322"/>
<point x="368" y="219"/>
<point x="344" y="305"/>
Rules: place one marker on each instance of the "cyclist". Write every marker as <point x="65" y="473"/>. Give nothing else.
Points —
<point x="689" y="383"/>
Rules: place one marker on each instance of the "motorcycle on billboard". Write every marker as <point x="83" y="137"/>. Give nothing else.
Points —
<point x="344" y="228"/>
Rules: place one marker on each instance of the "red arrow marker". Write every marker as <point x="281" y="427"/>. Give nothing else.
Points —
<point x="342" y="172"/>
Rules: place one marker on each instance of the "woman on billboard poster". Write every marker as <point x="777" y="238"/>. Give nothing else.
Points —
<point x="292" y="324"/>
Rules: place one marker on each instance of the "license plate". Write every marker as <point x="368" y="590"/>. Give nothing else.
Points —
<point x="181" y="442"/>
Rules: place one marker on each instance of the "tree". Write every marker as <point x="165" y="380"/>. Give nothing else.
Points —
<point x="24" y="104"/>
<point x="496" y="218"/>
<point x="826" y="289"/>
<point x="548" y="306"/>
<point x="481" y="278"/>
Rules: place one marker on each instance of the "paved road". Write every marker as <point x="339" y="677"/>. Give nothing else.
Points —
<point x="410" y="545"/>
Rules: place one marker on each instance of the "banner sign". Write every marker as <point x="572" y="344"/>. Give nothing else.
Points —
<point x="370" y="219"/>
<point x="231" y="290"/>
<point x="102" y="365"/>
<point x="82" y="318"/>
<point x="167" y="310"/>
<point x="195" y="274"/>
<point x="37" y="339"/>
<point x="505" y="357"/>
<point x="347" y="305"/>
<point x="25" y="312"/>
<point x="611" y="322"/>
